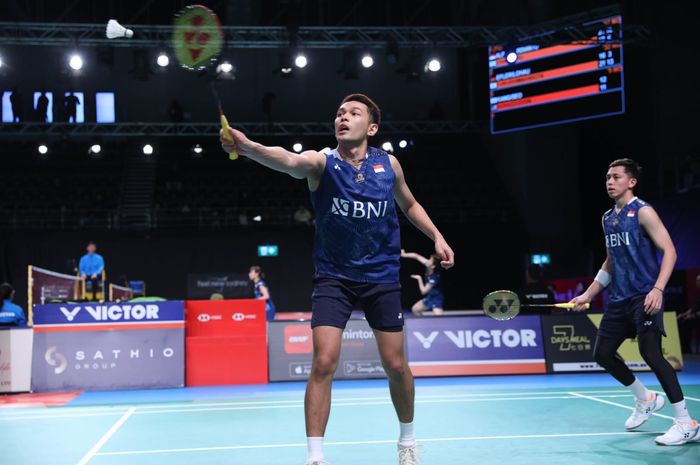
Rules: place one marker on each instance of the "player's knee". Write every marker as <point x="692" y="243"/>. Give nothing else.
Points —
<point x="324" y="365"/>
<point x="395" y="367"/>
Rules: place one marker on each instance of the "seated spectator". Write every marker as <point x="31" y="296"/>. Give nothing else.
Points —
<point x="11" y="314"/>
<point x="689" y="324"/>
<point x="534" y="291"/>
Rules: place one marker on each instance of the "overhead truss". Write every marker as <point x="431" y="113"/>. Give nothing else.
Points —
<point x="212" y="130"/>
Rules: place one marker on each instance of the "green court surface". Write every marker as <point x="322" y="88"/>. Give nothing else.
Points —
<point x="490" y="420"/>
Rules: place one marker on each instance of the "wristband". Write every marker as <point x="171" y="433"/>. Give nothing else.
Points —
<point x="658" y="289"/>
<point x="603" y="277"/>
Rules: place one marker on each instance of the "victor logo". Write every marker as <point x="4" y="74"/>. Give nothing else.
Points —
<point x="482" y="339"/>
<point x="427" y="342"/>
<point x="114" y="312"/>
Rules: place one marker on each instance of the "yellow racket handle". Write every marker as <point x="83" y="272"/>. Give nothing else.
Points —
<point x="227" y="135"/>
<point x="570" y="305"/>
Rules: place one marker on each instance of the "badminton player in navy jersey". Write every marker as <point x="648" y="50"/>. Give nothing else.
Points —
<point x="354" y="191"/>
<point x="633" y="234"/>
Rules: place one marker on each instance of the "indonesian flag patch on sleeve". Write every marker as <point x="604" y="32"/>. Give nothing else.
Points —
<point x="630" y="213"/>
<point x="378" y="168"/>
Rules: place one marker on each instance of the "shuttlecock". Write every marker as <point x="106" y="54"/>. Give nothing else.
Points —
<point x="114" y="30"/>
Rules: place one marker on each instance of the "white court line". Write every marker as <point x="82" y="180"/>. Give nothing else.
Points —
<point x="103" y="440"/>
<point x="195" y="404"/>
<point x="292" y="404"/>
<point x="616" y="404"/>
<point x="356" y="404"/>
<point x="384" y="441"/>
<point x="692" y="398"/>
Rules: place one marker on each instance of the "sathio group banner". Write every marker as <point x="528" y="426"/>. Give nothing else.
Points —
<point x="108" y="346"/>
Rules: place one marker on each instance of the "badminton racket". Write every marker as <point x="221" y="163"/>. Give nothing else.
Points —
<point x="505" y="305"/>
<point x="198" y="39"/>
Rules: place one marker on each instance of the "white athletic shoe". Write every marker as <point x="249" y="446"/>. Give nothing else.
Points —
<point x="408" y="455"/>
<point x="643" y="410"/>
<point x="680" y="433"/>
<point x="316" y="462"/>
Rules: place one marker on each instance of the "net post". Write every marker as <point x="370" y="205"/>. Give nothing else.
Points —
<point x="30" y="290"/>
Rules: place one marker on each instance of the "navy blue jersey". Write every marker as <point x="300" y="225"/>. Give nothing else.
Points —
<point x="357" y="230"/>
<point x="436" y="290"/>
<point x="635" y="266"/>
<point x="269" y="305"/>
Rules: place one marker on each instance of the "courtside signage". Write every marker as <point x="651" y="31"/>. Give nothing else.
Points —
<point x="475" y="345"/>
<point x="112" y="313"/>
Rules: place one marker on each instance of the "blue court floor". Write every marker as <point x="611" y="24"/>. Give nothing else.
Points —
<point x="539" y="419"/>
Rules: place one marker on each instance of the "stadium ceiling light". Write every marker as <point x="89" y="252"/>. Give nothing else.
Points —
<point x="367" y="61"/>
<point x="403" y="143"/>
<point x="95" y="149"/>
<point x="197" y="150"/>
<point x="75" y="62"/>
<point x="147" y="149"/>
<point x="297" y="147"/>
<point x="43" y="149"/>
<point x="163" y="60"/>
<point x="433" y="65"/>
<point x="387" y="147"/>
<point x="512" y="57"/>
<point x="300" y="61"/>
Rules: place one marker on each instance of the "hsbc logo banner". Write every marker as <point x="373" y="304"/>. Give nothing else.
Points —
<point x="109" y="313"/>
<point x="291" y="350"/>
<point x="475" y="345"/>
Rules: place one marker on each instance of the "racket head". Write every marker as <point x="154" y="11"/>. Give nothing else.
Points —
<point x="501" y="305"/>
<point x="198" y="37"/>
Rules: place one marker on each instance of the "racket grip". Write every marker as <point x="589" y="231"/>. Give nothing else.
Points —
<point x="569" y="305"/>
<point x="227" y="135"/>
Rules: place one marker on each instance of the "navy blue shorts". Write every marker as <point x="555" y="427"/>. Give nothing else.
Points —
<point x="333" y="300"/>
<point x="433" y="301"/>
<point x="627" y="319"/>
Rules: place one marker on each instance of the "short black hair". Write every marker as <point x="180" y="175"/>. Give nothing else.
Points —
<point x="631" y="167"/>
<point x="375" y="113"/>
<point x="534" y="271"/>
<point x="6" y="291"/>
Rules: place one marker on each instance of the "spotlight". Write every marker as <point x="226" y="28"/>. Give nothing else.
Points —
<point x="297" y="147"/>
<point x="387" y="147"/>
<point x="433" y="65"/>
<point x="300" y="61"/>
<point x="75" y="62"/>
<point x="367" y="61"/>
<point x="163" y="60"/>
<point x="403" y="143"/>
<point x="43" y="149"/>
<point x="257" y="218"/>
<point x="197" y="150"/>
<point x="511" y="57"/>
<point x="147" y="149"/>
<point x="224" y="67"/>
<point x="95" y="149"/>
<point x="286" y="70"/>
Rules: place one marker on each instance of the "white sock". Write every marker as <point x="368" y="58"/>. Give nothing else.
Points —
<point x="680" y="411"/>
<point x="639" y="390"/>
<point x="314" y="447"/>
<point x="406" y="437"/>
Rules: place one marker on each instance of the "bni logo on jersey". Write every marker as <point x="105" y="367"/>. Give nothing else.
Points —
<point x="355" y="209"/>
